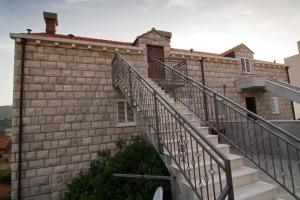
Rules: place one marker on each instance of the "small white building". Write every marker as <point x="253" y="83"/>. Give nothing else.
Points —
<point x="294" y="72"/>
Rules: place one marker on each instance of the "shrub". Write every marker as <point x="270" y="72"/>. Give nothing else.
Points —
<point x="99" y="183"/>
<point x="6" y="197"/>
<point x="5" y="175"/>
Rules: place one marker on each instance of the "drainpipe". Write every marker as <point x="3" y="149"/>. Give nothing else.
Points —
<point x="21" y="97"/>
<point x="289" y="81"/>
<point x="203" y="83"/>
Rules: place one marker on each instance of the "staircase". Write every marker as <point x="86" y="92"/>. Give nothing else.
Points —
<point x="283" y="89"/>
<point x="204" y="168"/>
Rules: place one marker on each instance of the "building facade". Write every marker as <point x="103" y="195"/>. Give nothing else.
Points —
<point x="69" y="110"/>
<point x="294" y="71"/>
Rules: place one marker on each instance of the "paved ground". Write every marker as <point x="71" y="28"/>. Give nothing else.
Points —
<point x="281" y="193"/>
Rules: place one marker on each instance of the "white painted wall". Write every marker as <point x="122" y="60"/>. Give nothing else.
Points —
<point x="294" y="72"/>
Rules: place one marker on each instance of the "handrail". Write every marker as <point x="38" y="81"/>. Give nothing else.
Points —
<point x="284" y="85"/>
<point x="177" y="64"/>
<point x="169" y="124"/>
<point x="232" y="102"/>
<point x="172" y="109"/>
<point x="272" y="149"/>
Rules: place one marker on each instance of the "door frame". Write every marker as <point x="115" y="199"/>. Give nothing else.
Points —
<point x="163" y="58"/>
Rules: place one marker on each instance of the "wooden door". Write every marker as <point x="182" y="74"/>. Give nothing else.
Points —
<point x="155" y="70"/>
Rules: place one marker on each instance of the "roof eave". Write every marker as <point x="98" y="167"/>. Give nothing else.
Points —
<point x="72" y="41"/>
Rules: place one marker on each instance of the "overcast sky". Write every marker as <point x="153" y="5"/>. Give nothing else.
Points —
<point x="270" y="28"/>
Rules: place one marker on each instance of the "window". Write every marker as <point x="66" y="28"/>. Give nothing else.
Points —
<point x="245" y="63"/>
<point x="125" y="112"/>
<point x="275" y="105"/>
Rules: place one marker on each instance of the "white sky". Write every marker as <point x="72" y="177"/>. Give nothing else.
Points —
<point x="270" y="28"/>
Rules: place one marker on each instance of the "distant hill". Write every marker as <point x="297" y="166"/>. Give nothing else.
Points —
<point x="5" y="112"/>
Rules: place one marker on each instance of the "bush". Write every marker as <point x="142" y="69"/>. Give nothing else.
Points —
<point x="6" y="197"/>
<point x="99" y="182"/>
<point x="5" y="176"/>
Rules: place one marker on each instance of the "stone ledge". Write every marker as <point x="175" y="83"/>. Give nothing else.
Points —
<point x="38" y="40"/>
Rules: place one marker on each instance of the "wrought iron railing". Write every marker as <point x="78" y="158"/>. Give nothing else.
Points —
<point x="273" y="150"/>
<point x="179" y="65"/>
<point x="204" y="167"/>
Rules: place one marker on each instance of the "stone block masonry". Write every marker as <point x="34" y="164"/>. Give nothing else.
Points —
<point x="69" y="115"/>
<point x="70" y="105"/>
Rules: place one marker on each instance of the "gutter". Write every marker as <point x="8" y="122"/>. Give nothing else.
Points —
<point x="20" y="133"/>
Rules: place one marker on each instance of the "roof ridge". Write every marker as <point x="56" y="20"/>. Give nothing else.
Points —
<point x="234" y="48"/>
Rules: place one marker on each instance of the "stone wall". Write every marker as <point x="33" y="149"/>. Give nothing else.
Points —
<point x="219" y="73"/>
<point x="69" y="114"/>
<point x="70" y="106"/>
<point x="152" y="38"/>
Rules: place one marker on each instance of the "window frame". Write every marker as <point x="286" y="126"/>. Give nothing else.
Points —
<point x="275" y="102"/>
<point x="126" y="122"/>
<point x="244" y="68"/>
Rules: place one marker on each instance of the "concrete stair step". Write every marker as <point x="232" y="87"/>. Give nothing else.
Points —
<point x="212" y="138"/>
<point x="200" y="168"/>
<point x="204" y="130"/>
<point x="240" y="176"/>
<point x="257" y="190"/>
<point x="187" y="115"/>
<point x="192" y="153"/>
<point x="245" y="179"/>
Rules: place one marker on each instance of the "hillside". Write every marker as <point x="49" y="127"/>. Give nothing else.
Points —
<point x="5" y="112"/>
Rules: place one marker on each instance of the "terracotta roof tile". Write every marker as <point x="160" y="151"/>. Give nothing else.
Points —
<point x="83" y="39"/>
<point x="5" y="141"/>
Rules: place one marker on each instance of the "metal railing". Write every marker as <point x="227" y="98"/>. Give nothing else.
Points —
<point x="179" y="65"/>
<point x="204" y="167"/>
<point x="273" y="150"/>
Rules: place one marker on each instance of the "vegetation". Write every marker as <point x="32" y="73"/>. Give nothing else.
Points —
<point x="100" y="183"/>
<point x="5" y="176"/>
<point x="7" y="197"/>
<point x="4" y="124"/>
<point x="5" y="112"/>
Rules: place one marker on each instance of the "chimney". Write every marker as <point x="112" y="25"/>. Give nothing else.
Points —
<point x="51" y="20"/>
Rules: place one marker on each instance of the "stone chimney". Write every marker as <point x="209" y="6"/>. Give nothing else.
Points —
<point x="51" y="20"/>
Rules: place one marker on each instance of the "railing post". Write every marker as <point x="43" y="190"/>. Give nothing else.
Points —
<point x="229" y="179"/>
<point x="185" y="68"/>
<point x="130" y="88"/>
<point x="157" y="122"/>
<point x="204" y="92"/>
<point x="216" y="111"/>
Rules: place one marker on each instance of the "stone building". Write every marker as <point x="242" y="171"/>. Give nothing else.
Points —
<point x="294" y="71"/>
<point x="69" y="109"/>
